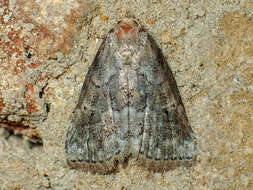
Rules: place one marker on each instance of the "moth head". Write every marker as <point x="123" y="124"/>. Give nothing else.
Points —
<point x="127" y="29"/>
<point x="126" y="39"/>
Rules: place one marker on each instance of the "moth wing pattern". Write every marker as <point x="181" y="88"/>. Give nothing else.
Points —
<point x="97" y="140"/>
<point x="167" y="136"/>
<point x="129" y="106"/>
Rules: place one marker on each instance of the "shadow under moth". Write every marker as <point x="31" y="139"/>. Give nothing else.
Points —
<point x="129" y="106"/>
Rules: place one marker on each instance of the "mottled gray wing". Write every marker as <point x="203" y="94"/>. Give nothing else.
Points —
<point x="166" y="133"/>
<point x="98" y="134"/>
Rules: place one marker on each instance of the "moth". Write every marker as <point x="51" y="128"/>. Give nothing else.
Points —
<point x="129" y="106"/>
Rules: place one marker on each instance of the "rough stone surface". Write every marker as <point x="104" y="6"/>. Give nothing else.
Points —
<point x="46" y="48"/>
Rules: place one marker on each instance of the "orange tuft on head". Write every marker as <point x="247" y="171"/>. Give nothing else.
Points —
<point x="126" y="28"/>
<point x="125" y="31"/>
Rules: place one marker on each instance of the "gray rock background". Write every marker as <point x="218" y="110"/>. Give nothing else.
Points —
<point x="46" y="48"/>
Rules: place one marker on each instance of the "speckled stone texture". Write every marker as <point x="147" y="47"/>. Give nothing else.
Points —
<point x="46" y="48"/>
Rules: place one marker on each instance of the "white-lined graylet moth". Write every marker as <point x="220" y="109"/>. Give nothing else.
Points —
<point x="129" y="106"/>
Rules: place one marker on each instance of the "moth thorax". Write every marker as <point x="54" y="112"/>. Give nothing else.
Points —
<point x="126" y="53"/>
